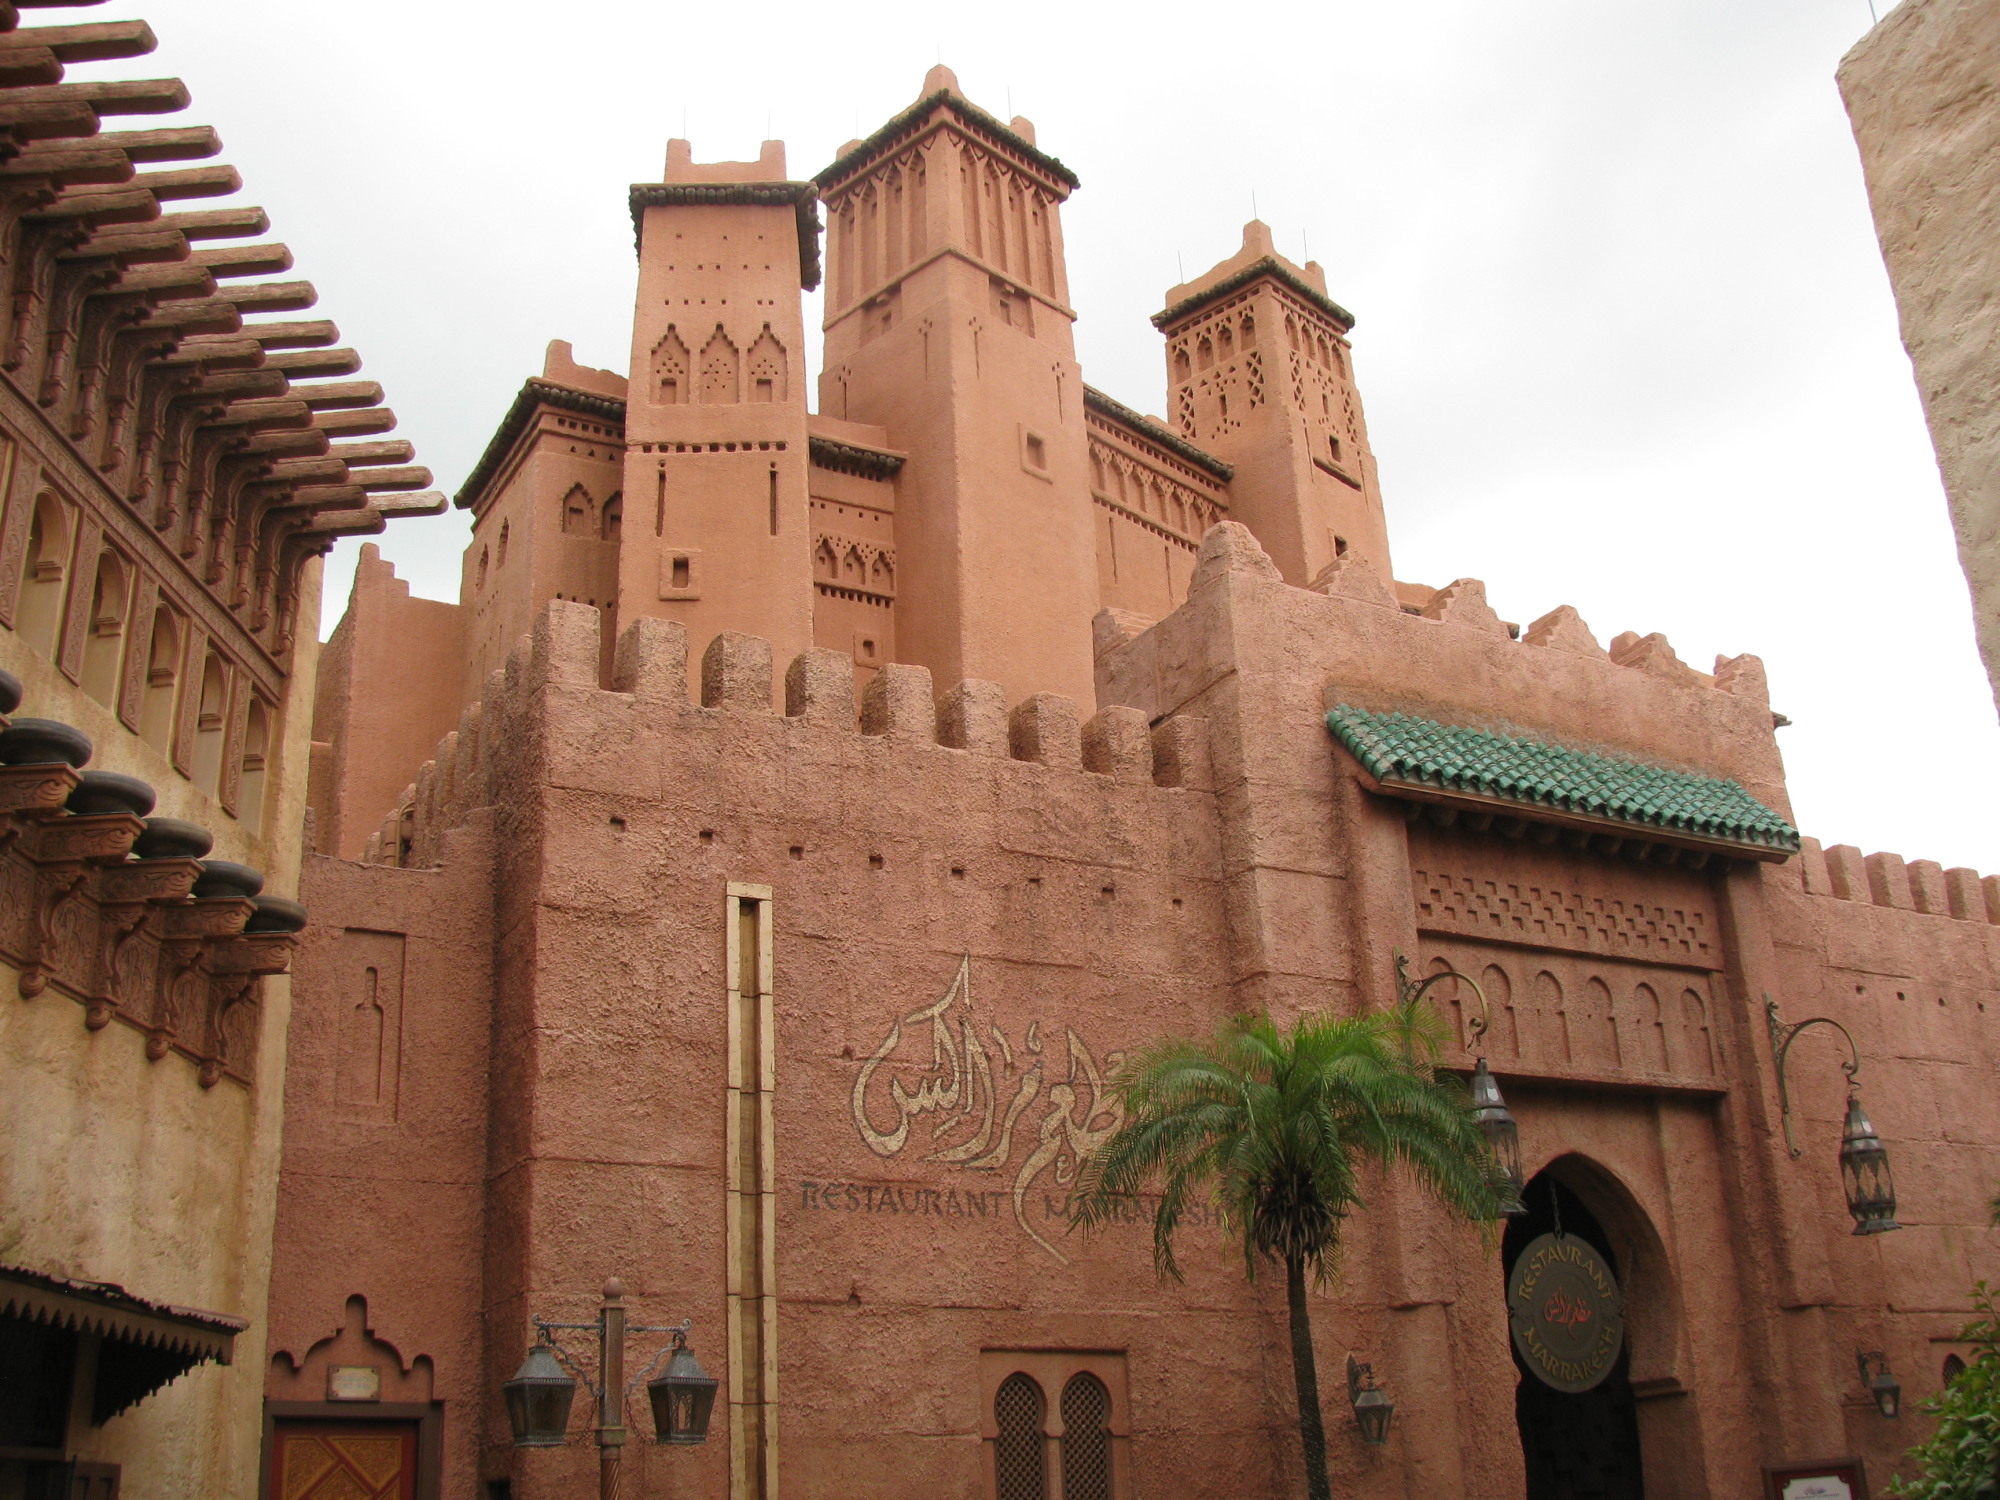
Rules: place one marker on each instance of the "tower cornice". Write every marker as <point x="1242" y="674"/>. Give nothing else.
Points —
<point x="936" y="109"/>
<point x="802" y="197"/>
<point x="1269" y="266"/>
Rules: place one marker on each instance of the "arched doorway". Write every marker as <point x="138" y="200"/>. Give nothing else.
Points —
<point x="1584" y="1445"/>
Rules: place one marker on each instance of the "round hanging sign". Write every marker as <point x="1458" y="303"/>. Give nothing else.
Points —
<point x="1567" y="1317"/>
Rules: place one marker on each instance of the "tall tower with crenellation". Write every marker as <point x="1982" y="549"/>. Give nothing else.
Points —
<point x="715" y="529"/>
<point x="1260" y="375"/>
<point x="948" y="326"/>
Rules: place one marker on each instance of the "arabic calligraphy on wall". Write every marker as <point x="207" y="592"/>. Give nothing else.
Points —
<point x="945" y="1087"/>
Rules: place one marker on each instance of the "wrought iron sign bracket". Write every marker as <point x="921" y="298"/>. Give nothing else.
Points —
<point x="1782" y="1037"/>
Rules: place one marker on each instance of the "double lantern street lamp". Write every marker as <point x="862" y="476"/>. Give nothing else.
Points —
<point x="539" y="1395"/>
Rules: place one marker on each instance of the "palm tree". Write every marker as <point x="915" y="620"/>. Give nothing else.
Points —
<point x="1275" y="1126"/>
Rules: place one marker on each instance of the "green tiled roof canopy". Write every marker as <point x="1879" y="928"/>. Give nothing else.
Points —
<point x="1404" y="751"/>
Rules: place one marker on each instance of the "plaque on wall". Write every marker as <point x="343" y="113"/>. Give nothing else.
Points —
<point x="1829" y="1479"/>
<point x="1565" y="1312"/>
<point x="354" y="1383"/>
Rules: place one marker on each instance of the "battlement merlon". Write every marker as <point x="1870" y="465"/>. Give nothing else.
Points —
<point x="759" y="184"/>
<point x="1257" y="257"/>
<point x="942" y="106"/>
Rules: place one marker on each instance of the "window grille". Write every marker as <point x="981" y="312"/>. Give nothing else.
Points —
<point x="1017" y="1412"/>
<point x="1086" y="1444"/>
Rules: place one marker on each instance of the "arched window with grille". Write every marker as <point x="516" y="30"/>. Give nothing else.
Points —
<point x="1020" y="1471"/>
<point x="1086" y="1439"/>
<point x="1057" y="1424"/>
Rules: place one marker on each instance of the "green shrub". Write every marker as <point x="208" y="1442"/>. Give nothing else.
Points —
<point x="1962" y="1459"/>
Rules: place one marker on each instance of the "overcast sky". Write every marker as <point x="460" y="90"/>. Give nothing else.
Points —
<point x="1625" y="340"/>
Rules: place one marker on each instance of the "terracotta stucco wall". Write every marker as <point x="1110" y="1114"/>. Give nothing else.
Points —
<point x="1921" y="91"/>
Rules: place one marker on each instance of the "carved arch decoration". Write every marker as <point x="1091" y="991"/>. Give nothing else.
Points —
<point x="769" y="377"/>
<point x="670" y="370"/>
<point x="352" y="1344"/>
<point x="721" y="371"/>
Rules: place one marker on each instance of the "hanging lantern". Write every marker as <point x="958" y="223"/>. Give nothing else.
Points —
<point x="1372" y="1407"/>
<point x="1882" y="1386"/>
<point x="1864" y="1173"/>
<point x="538" y="1399"/>
<point x="682" y="1398"/>
<point x="1503" y="1137"/>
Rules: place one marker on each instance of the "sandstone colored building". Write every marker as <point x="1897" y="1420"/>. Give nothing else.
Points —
<point x="180" y="439"/>
<point x="822" y="798"/>
<point x="1919" y="89"/>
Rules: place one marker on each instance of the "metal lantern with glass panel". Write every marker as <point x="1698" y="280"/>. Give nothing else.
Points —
<point x="1496" y="1121"/>
<point x="539" y="1396"/>
<point x="1864" y="1161"/>
<point x="1372" y="1407"/>
<point x="1882" y="1386"/>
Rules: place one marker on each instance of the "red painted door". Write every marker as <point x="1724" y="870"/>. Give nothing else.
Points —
<point x="344" y="1461"/>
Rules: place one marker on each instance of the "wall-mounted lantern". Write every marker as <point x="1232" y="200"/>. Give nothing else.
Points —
<point x="1864" y="1161"/>
<point x="1372" y="1408"/>
<point x="538" y="1397"/>
<point x="1496" y="1121"/>
<point x="1881" y="1385"/>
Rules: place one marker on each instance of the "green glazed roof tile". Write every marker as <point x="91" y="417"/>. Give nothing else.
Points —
<point x="1403" y="748"/>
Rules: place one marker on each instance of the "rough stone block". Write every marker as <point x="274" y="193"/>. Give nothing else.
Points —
<point x="1991" y="887"/>
<point x="1563" y="629"/>
<point x="1463" y="602"/>
<point x="565" y="645"/>
<point x="1228" y="547"/>
<point x="1744" y="676"/>
<point x="819" y="688"/>
<point x="1043" y="729"/>
<point x="1927" y="887"/>
<point x="897" y="704"/>
<point x="1119" y="743"/>
<point x="1962" y="894"/>
<point x="1888" y="881"/>
<point x="1354" y="577"/>
<point x="736" y="673"/>
<point x="973" y="716"/>
<point x="1847" y="873"/>
<point x="1180" y="753"/>
<point x="651" y="660"/>
<point x="1112" y="628"/>
<point x="1812" y="868"/>
<point x="1653" y="655"/>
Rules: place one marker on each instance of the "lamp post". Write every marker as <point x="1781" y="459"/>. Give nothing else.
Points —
<point x="1372" y="1408"/>
<point x="1864" y="1161"/>
<point x="1496" y="1121"/>
<point x="539" y="1396"/>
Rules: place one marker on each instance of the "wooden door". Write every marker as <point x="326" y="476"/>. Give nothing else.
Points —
<point x="344" y="1461"/>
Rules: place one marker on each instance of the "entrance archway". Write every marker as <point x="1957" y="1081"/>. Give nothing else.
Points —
<point x="1582" y="1446"/>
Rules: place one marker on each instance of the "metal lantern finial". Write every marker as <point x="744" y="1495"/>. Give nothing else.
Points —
<point x="1864" y="1173"/>
<point x="1372" y="1408"/>
<point x="1882" y="1386"/>
<point x="538" y="1400"/>
<point x="683" y="1397"/>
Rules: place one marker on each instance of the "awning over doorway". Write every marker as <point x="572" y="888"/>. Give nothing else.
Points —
<point x="1420" y="759"/>
<point x="146" y="1343"/>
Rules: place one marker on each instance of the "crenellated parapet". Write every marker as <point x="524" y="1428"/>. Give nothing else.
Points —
<point x="477" y="765"/>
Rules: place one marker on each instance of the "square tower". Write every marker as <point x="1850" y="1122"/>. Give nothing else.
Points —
<point x="948" y="326"/>
<point x="715" y="531"/>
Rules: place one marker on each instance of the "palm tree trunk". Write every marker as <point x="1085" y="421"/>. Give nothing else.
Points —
<point x="1305" y="1375"/>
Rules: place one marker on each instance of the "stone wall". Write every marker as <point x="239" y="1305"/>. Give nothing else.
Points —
<point x="1919" y="90"/>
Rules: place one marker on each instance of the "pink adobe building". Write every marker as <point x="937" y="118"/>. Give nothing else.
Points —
<point x="748" y="888"/>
